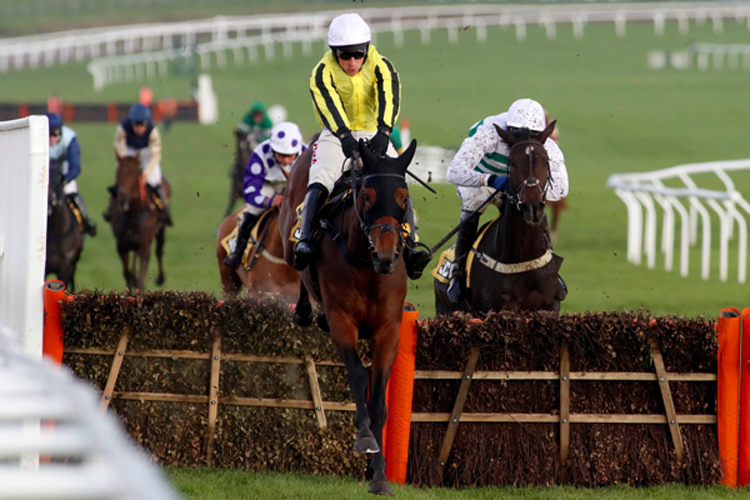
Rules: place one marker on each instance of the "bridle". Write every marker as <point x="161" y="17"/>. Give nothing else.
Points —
<point x="514" y="194"/>
<point x="384" y="206"/>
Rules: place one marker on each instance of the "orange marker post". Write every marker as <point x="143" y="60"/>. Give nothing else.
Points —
<point x="52" y="342"/>
<point x="399" y="397"/>
<point x="743" y="474"/>
<point x="728" y="393"/>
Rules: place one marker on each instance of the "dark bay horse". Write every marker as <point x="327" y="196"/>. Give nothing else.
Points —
<point x="513" y="268"/>
<point x="268" y="271"/>
<point x="359" y="279"/>
<point x="64" y="236"/>
<point x="136" y="223"/>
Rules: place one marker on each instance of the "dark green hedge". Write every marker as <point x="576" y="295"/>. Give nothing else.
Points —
<point x="483" y="454"/>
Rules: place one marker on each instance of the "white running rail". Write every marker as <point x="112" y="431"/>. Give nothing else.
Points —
<point x="644" y="194"/>
<point x="90" y="455"/>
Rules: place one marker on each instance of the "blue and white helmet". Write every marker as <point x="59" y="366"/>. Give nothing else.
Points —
<point x="527" y="113"/>
<point x="286" y="139"/>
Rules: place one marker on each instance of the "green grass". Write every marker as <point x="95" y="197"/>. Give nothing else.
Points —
<point x="218" y="484"/>
<point x="615" y="115"/>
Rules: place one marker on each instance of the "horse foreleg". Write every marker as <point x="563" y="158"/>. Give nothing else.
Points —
<point x="126" y="271"/>
<point x="344" y="333"/>
<point x="384" y="348"/>
<point x="143" y="255"/>
<point x="160" y="238"/>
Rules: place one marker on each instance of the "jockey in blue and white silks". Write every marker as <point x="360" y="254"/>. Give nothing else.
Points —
<point x="481" y="166"/>
<point x="65" y="154"/>
<point x="266" y="175"/>
<point x="137" y="136"/>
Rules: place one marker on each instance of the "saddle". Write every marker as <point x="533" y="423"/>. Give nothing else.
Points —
<point x="230" y="240"/>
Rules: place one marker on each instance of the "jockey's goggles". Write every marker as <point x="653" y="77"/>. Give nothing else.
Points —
<point x="55" y="132"/>
<point x="140" y="124"/>
<point x="350" y="54"/>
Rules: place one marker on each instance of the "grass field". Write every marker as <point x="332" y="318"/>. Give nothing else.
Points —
<point x="615" y="115"/>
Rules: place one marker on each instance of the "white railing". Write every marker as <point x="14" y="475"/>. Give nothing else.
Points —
<point x="247" y="33"/>
<point x="645" y="194"/>
<point x="88" y="455"/>
<point x="24" y="158"/>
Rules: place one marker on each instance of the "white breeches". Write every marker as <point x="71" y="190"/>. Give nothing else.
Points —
<point x="268" y="191"/>
<point x="328" y="158"/>
<point x="153" y="178"/>
<point x="473" y="197"/>
<point x="71" y="187"/>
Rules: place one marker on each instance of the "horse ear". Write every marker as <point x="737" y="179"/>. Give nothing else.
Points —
<point x="408" y="155"/>
<point x="367" y="157"/>
<point x="506" y="136"/>
<point x="547" y="131"/>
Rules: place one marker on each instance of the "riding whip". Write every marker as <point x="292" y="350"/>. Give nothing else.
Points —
<point x="462" y="222"/>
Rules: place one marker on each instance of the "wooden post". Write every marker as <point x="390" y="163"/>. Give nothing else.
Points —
<point x="312" y="375"/>
<point x="666" y="394"/>
<point x="564" y="411"/>
<point x="458" y="408"/>
<point x="213" y="400"/>
<point x="114" y="371"/>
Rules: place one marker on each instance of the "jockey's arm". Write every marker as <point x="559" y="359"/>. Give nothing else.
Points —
<point x="388" y="95"/>
<point x="461" y="170"/>
<point x="154" y="147"/>
<point x="558" y="184"/>
<point x="255" y="176"/>
<point x="121" y="143"/>
<point x="73" y="155"/>
<point x="327" y="100"/>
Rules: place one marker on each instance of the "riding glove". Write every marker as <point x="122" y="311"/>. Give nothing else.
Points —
<point x="498" y="182"/>
<point x="349" y="144"/>
<point x="379" y="143"/>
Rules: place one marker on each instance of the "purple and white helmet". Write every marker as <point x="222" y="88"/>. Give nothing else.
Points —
<point x="286" y="138"/>
<point x="527" y="113"/>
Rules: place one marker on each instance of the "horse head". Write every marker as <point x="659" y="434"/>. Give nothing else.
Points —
<point x="55" y="194"/>
<point x="382" y="204"/>
<point x="128" y="181"/>
<point x="529" y="171"/>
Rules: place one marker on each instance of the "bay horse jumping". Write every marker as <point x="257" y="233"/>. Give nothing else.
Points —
<point x="513" y="267"/>
<point x="136" y="222"/>
<point x="268" y="272"/>
<point x="358" y="277"/>
<point x="64" y="236"/>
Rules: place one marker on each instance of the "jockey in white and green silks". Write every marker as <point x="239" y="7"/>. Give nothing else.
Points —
<point x="481" y="166"/>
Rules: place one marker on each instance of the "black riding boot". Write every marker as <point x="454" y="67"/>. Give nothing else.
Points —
<point x="416" y="255"/>
<point x="166" y="216"/>
<point x="88" y="226"/>
<point x="304" y="250"/>
<point x="244" y="228"/>
<point x="464" y="240"/>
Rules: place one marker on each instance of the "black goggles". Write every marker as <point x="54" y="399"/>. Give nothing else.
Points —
<point x="55" y="132"/>
<point x="350" y="54"/>
<point x="140" y="124"/>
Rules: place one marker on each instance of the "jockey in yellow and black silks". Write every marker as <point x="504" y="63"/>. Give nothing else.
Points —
<point x="356" y="94"/>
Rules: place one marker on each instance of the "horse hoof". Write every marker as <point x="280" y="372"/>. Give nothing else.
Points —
<point x="366" y="445"/>
<point x="159" y="280"/>
<point x="381" y="487"/>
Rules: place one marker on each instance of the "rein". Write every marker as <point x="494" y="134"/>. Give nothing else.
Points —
<point x="515" y="194"/>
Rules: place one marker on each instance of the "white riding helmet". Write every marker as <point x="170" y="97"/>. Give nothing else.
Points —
<point x="286" y="139"/>
<point x="277" y="114"/>
<point x="527" y="113"/>
<point x="348" y="30"/>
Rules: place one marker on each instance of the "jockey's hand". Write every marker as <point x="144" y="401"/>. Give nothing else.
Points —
<point x="498" y="182"/>
<point x="349" y="145"/>
<point x="379" y="144"/>
<point x="276" y="200"/>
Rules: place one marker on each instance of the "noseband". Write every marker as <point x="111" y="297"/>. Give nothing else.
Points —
<point x="514" y="194"/>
